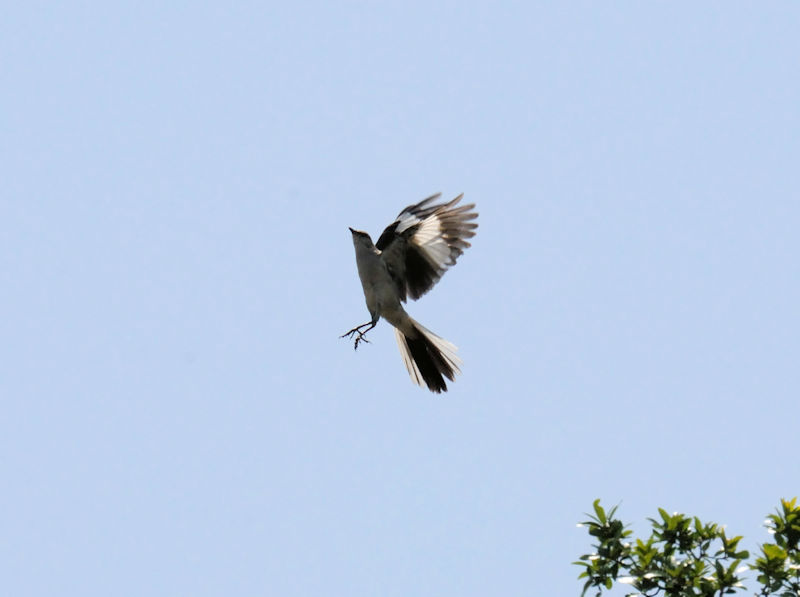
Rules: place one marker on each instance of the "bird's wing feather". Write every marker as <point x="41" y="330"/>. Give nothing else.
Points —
<point x="425" y="240"/>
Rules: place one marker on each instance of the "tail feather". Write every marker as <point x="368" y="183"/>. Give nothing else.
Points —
<point x="428" y="357"/>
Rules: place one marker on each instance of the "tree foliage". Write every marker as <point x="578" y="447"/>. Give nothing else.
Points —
<point x="685" y="557"/>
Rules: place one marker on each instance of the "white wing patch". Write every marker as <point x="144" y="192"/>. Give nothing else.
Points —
<point x="405" y="221"/>
<point x="430" y="240"/>
<point x="407" y="218"/>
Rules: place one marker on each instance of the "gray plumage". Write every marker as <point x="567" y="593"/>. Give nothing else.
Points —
<point x="411" y="255"/>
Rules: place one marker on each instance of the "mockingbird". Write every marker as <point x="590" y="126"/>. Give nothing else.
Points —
<point x="408" y="259"/>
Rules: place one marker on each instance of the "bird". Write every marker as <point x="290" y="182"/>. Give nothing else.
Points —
<point x="410" y="257"/>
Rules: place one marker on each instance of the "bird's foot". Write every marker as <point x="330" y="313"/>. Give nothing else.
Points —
<point x="360" y="338"/>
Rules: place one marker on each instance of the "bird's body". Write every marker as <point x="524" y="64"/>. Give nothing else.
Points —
<point x="379" y="288"/>
<point x="410" y="256"/>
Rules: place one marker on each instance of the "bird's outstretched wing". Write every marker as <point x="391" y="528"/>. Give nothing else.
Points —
<point x="424" y="241"/>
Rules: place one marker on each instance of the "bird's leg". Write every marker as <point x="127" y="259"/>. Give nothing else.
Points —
<point x="357" y="330"/>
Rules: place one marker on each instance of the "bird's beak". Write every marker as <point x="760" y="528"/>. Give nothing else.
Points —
<point x="351" y="230"/>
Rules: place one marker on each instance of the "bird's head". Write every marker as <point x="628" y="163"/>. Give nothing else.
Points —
<point x="361" y="238"/>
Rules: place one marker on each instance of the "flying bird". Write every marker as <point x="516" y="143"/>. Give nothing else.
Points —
<point x="411" y="255"/>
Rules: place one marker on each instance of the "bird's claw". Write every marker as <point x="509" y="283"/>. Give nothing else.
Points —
<point x="361" y="337"/>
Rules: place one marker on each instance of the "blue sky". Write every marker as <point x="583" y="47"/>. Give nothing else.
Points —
<point x="179" y="414"/>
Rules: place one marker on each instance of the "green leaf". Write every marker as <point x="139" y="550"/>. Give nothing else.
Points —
<point x="601" y="514"/>
<point x="773" y="552"/>
<point x="586" y="586"/>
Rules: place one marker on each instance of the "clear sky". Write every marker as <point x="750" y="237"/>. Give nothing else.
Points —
<point x="179" y="416"/>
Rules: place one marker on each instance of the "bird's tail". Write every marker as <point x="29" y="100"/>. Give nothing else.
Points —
<point x="428" y="357"/>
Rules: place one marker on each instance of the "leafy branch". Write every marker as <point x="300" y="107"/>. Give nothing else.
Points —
<point x="685" y="557"/>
